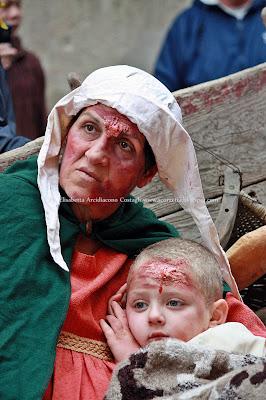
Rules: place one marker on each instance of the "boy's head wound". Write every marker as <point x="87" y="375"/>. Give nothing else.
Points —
<point x="165" y="271"/>
<point x="180" y="262"/>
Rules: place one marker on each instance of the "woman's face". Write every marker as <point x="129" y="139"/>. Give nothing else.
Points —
<point x="103" y="160"/>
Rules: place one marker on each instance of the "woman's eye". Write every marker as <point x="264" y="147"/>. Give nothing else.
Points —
<point x="174" y="303"/>
<point x="125" y="145"/>
<point x="140" y="305"/>
<point x="89" y="128"/>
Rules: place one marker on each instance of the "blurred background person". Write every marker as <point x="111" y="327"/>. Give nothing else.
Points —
<point x="25" y="77"/>
<point x="8" y="138"/>
<point x="211" y="39"/>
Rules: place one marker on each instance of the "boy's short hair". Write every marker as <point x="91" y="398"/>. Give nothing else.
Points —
<point x="203" y="267"/>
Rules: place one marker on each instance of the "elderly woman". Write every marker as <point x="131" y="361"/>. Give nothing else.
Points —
<point x="69" y="236"/>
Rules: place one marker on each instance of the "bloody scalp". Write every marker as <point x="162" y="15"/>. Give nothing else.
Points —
<point x="166" y="271"/>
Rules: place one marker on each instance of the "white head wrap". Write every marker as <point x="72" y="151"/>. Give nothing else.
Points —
<point x="150" y="105"/>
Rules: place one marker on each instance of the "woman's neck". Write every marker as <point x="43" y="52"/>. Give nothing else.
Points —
<point x="87" y="245"/>
<point x="93" y="211"/>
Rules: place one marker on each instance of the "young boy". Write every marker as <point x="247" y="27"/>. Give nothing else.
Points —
<point x="174" y="289"/>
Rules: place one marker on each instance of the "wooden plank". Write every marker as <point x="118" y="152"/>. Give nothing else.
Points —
<point x="226" y="117"/>
<point x="184" y="223"/>
<point x="21" y="153"/>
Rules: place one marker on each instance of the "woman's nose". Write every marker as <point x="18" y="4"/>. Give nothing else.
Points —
<point x="98" y="152"/>
<point x="156" y="316"/>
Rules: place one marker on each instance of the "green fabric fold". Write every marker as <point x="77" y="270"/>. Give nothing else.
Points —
<point x="129" y="230"/>
<point x="132" y="228"/>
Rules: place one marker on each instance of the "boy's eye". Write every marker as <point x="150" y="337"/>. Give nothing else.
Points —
<point x="174" y="303"/>
<point x="140" y="305"/>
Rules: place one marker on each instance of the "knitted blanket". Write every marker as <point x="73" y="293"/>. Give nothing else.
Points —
<point x="171" y="370"/>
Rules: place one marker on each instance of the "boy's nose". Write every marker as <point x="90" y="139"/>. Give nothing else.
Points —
<point x="156" y="316"/>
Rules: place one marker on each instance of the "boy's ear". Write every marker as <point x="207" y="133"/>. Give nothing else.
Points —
<point x="147" y="176"/>
<point x="219" y="313"/>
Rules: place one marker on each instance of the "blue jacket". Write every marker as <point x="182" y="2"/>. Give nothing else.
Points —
<point x="8" y="138"/>
<point x="205" y="43"/>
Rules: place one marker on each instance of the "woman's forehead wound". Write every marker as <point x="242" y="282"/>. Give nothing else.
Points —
<point x="114" y="126"/>
<point x="114" y="122"/>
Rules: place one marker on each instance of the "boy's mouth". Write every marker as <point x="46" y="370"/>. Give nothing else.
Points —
<point x="157" y="336"/>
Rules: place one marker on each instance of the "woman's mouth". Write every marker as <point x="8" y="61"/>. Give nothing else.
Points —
<point x="89" y="174"/>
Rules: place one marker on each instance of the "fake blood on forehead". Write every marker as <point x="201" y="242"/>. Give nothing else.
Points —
<point x="114" y="127"/>
<point x="167" y="272"/>
<point x="115" y="123"/>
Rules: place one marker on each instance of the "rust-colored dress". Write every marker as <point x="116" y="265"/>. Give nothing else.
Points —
<point x="83" y="364"/>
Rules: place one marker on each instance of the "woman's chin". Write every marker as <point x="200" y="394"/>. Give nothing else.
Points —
<point x="91" y="208"/>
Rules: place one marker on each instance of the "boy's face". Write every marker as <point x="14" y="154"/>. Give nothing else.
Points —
<point x="163" y="302"/>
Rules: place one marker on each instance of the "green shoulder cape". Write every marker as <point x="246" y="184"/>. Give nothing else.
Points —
<point x="34" y="291"/>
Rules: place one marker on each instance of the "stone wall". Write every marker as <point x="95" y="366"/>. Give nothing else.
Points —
<point x="82" y="35"/>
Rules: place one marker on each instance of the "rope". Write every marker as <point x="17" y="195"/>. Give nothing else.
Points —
<point x="223" y="160"/>
<point x="80" y="344"/>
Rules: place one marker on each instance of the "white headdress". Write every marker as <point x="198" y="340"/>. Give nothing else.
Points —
<point x="150" y="105"/>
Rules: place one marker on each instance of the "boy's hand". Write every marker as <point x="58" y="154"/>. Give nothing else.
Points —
<point x="117" y="333"/>
<point x="118" y="297"/>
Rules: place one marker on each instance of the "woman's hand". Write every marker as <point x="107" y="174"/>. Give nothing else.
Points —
<point x="117" y="333"/>
<point x="119" y="297"/>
